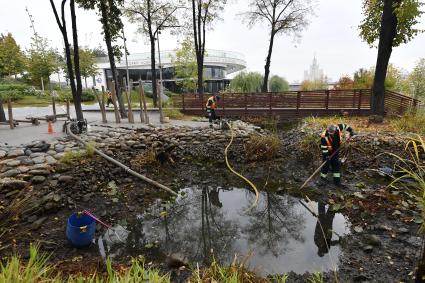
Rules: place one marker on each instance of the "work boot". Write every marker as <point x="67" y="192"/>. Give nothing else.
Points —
<point x="337" y="182"/>
<point x="322" y="182"/>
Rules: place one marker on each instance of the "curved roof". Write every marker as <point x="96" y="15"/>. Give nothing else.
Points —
<point x="231" y="61"/>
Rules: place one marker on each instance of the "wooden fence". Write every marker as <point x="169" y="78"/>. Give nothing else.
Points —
<point x="294" y="104"/>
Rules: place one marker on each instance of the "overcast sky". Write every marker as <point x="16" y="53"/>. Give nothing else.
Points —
<point x="332" y="36"/>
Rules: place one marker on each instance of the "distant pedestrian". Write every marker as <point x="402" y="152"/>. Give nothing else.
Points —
<point x="109" y="99"/>
<point x="211" y="106"/>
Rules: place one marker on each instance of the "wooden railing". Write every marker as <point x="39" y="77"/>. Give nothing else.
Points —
<point x="294" y="104"/>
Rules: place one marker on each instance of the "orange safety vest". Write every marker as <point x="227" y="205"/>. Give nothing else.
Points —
<point x="212" y="105"/>
<point x="329" y="139"/>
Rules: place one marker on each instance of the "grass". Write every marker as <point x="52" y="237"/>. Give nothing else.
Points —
<point x="147" y="158"/>
<point x="410" y="122"/>
<point x="308" y="148"/>
<point x="260" y="147"/>
<point x="90" y="146"/>
<point x="36" y="269"/>
<point x="173" y="113"/>
<point x="73" y="156"/>
<point x="31" y="100"/>
<point x="234" y="273"/>
<point x="10" y="214"/>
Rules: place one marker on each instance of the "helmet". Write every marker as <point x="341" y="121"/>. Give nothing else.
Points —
<point x="217" y="97"/>
<point x="332" y="129"/>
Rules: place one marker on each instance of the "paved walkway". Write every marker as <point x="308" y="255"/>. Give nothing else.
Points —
<point x="26" y="133"/>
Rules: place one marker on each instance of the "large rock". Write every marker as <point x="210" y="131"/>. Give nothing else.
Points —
<point x="38" y="179"/>
<point x="15" y="153"/>
<point x="13" y="163"/>
<point x="2" y="153"/>
<point x="39" y="159"/>
<point x="10" y="173"/>
<point x="51" y="160"/>
<point x="65" y="179"/>
<point x="40" y="172"/>
<point x="8" y="184"/>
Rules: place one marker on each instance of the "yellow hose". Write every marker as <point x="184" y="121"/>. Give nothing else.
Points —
<point x="257" y="194"/>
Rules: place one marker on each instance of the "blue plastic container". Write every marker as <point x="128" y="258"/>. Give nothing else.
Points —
<point x="80" y="230"/>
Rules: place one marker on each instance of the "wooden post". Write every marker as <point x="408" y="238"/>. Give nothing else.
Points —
<point x="54" y="108"/>
<point x="68" y="112"/>
<point x="223" y="105"/>
<point x="246" y="104"/>
<point x="270" y="103"/>
<point x="327" y="100"/>
<point x="101" y="106"/>
<point x="183" y="103"/>
<point x="128" y="96"/>
<point x="359" y="106"/>
<point x="354" y="98"/>
<point x="142" y="115"/>
<point x="114" y="101"/>
<point x="143" y="101"/>
<point x="158" y="94"/>
<point x="10" y="112"/>
<point x="298" y="102"/>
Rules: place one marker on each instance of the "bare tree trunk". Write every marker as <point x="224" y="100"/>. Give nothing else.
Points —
<point x="386" y="39"/>
<point x="85" y="81"/>
<point x="268" y="61"/>
<point x="77" y="101"/>
<point x="153" y="69"/>
<point x="108" y="42"/>
<point x="2" y="114"/>
<point x="199" y="44"/>
<point x="63" y="29"/>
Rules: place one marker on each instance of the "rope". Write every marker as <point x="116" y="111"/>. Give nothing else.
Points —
<point x="257" y="194"/>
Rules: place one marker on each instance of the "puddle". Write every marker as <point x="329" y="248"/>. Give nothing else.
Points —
<point x="280" y="234"/>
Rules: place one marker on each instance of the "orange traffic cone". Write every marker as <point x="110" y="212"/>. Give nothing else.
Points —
<point x="50" y="128"/>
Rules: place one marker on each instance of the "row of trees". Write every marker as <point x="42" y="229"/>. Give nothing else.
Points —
<point x="386" y="22"/>
<point x="40" y="61"/>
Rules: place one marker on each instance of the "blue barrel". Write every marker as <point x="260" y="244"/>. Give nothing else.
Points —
<point x="80" y="230"/>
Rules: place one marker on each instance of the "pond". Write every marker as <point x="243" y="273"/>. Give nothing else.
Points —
<point x="279" y="235"/>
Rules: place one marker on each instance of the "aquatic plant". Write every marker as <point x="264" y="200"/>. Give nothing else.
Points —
<point x="173" y="113"/>
<point x="410" y="122"/>
<point x="412" y="181"/>
<point x="262" y="147"/>
<point x="308" y="148"/>
<point x="316" y="278"/>
<point x="72" y="156"/>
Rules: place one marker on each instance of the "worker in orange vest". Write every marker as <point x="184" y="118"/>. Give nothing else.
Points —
<point x="330" y="142"/>
<point x="211" y="106"/>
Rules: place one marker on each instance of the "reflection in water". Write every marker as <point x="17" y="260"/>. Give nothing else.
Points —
<point x="323" y="232"/>
<point x="280" y="233"/>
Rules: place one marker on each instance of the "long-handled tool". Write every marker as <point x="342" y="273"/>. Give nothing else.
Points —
<point x="321" y="166"/>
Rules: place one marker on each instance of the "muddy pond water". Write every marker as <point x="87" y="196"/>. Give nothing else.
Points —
<point x="279" y="235"/>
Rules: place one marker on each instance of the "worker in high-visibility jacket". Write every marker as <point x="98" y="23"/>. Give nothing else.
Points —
<point x="330" y="142"/>
<point x="211" y="106"/>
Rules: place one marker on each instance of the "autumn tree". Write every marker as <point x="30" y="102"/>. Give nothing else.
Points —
<point x="72" y="61"/>
<point x="417" y="79"/>
<point x="278" y="84"/>
<point x="203" y="14"/>
<point x="314" y="85"/>
<point x="363" y="79"/>
<point x="12" y="59"/>
<point x="87" y="64"/>
<point x="390" y="23"/>
<point x="185" y="68"/>
<point x="110" y="13"/>
<point x="288" y="17"/>
<point x="42" y="61"/>
<point x="345" y="82"/>
<point x="152" y="16"/>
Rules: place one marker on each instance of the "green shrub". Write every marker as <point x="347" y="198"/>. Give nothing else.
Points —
<point x="173" y="113"/>
<point x="410" y="122"/>
<point x="87" y="95"/>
